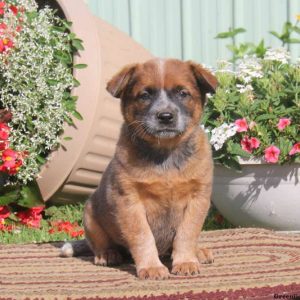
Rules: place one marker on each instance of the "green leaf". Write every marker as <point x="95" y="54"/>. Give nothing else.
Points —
<point x="265" y="117"/>
<point x="231" y="33"/>
<point x="236" y="149"/>
<point x="296" y="29"/>
<point x="80" y="66"/>
<point x="77" y="115"/>
<point x="77" y="43"/>
<point x="67" y="24"/>
<point x="9" y="195"/>
<point x="52" y="81"/>
<point x="275" y="34"/>
<point x="293" y="41"/>
<point x="68" y="138"/>
<point x="76" y="82"/>
<point x="41" y="159"/>
<point x="68" y="120"/>
<point x="30" y="195"/>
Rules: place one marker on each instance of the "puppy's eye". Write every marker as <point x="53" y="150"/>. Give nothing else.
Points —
<point x="144" y="95"/>
<point x="183" y="93"/>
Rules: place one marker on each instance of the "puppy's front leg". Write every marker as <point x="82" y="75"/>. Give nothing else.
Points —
<point x="184" y="255"/>
<point x="140" y="240"/>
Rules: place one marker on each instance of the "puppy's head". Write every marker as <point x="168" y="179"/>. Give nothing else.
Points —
<point x="162" y="98"/>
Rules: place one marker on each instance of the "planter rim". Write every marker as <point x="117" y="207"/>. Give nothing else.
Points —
<point x="257" y="161"/>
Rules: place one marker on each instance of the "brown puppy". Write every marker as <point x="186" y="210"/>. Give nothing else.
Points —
<point x="155" y="193"/>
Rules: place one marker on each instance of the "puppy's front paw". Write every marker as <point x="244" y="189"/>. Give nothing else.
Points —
<point x="156" y="273"/>
<point x="186" y="268"/>
<point x="205" y="256"/>
<point x="109" y="257"/>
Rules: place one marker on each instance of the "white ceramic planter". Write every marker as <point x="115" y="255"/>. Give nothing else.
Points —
<point x="263" y="195"/>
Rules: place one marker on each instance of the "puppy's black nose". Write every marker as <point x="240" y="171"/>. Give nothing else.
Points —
<point x="165" y="117"/>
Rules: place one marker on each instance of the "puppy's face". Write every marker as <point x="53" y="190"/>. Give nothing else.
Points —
<point x="162" y="98"/>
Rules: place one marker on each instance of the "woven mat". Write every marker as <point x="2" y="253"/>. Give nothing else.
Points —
<point x="249" y="264"/>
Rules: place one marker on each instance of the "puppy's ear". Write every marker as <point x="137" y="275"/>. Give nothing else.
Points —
<point x="117" y="85"/>
<point x="206" y="81"/>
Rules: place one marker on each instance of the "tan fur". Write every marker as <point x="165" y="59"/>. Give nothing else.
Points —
<point x="152" y="210"/>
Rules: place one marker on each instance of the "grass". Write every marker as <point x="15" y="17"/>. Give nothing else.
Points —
<point x="24" y="234"/>
<point x="73" y="213"/>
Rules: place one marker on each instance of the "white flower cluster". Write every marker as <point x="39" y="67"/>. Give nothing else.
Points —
<point x="221" y="134"/>
<point x="33" y="83"/>
<point x="248" y="68"/>
<point x="244" y="88"/>
<point x="224" y="66"/>
<point x="278" y="54"/>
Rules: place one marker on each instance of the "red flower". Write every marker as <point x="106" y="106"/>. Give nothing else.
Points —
<point x="241" y="125"/>
<point x="9" y="155"/>
<point x="248" y="144"/>
<point x="295" y="149"/>
<point x="4" y="212"/>
<point x="77" y="233"/>
<point x="282" y="123"/>
<point x="1" y="46"/>
<point x="2" y="27"/>
<point x="65" y="226"/>
<point x="31" y="217"/>
<point x="4" y="227"/>
<point x="2" y="5"/>
<point x="14" y="9"/>
<point x="272" y="154"/>
<point x="3" y="145"/>
<point x="12" y="161"/>
<point x="4" y="129"/>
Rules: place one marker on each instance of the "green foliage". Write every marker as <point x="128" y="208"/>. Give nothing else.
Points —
<point x="261" y="91"/>
<point x="23" y="234"/>
<point x="25" y="195"/>
<point x="240" y="50"/>
<point x="36" y="79"/>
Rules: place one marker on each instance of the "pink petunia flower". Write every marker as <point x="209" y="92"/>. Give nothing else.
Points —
<point x="295" y="149"/>
<point x="248" y="144"/>
<point x="254" y="142"/>
<point x="272" y="154"/>
<point x="2" y="5"/>
<point x="241" y="125"/>
<point x="282" y="123"/>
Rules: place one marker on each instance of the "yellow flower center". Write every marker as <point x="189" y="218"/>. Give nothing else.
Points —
<point x="8" y="158"/>
<point x="298" y="17"/>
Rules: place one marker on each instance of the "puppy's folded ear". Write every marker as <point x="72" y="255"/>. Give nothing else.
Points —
<point x="117" y="85"/>
<point x="206" y="81"/>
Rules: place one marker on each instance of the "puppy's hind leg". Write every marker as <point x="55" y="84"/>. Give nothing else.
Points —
<point x="103" y="248"/>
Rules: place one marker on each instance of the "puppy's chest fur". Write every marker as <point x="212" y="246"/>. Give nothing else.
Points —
<point x="165" y="202"/>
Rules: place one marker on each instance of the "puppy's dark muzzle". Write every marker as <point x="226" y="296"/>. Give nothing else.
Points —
<point x="165" y="117"/>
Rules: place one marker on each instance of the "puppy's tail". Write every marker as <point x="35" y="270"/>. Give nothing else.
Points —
<point x="75" y="248"/>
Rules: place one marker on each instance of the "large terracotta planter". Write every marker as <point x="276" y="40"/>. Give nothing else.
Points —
<point x="263" y="195"/>
<point x="74" y="171"/>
